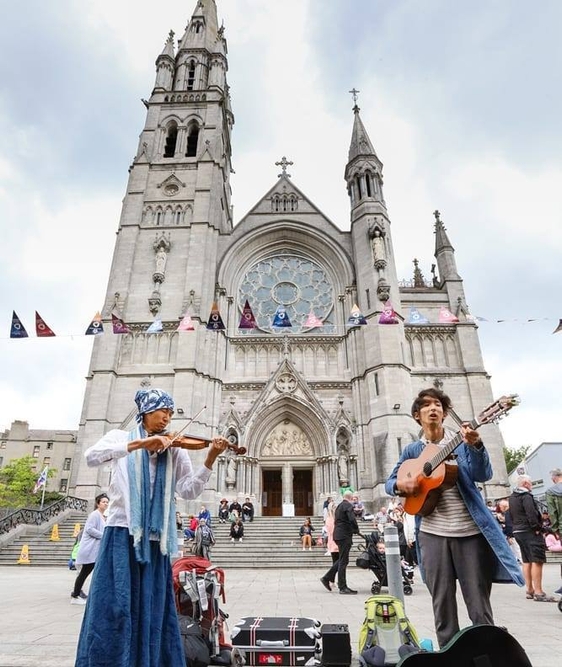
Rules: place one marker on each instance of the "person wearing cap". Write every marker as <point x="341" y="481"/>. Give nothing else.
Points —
<point x="130" y="618"/>
<point x="89" y="547"/>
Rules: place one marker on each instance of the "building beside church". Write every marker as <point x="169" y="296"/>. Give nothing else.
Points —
<point x="318" y="405"/>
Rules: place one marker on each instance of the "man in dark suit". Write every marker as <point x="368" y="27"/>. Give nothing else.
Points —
<point x="345" y="526"/>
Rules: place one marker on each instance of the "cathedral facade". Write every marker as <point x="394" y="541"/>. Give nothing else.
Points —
<point x="318" y="405"/>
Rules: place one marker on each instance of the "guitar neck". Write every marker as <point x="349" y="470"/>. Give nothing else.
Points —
<point x="450" y="447"/>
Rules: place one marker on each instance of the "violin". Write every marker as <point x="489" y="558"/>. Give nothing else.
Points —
<point x="195" y="442"/>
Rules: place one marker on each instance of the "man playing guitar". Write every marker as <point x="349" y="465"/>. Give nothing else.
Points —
<point x="458" y="538"/>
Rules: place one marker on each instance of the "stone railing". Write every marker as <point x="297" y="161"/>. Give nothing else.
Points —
<point x="35" y="517"/>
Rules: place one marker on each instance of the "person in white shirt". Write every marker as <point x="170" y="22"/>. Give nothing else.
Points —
<point x="130" y="618"/>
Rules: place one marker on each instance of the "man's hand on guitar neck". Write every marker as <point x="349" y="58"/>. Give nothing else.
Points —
<point x="470" y="436"/>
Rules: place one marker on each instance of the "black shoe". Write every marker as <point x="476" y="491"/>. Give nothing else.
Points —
<point x="347" y="591"/>
<point x="325" y="583"/>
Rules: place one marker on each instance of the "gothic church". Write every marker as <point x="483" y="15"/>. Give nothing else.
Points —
<point x="317" y="405"/>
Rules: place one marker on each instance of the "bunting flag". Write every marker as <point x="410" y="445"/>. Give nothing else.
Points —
<point x="446" y="316"/>
<point x="415" y="317"/>
<point x="313" y="321"/>
<point x="119" y="327"/>
<point x="558" y="328"/>
<point x="281" y="319"/>
<point x="186" y="324"/>
<point x="215" y="320"/>
<point x="388" y="316"/>
<point x="247" y="321"/>
<point x="356" y="317"/>
<point x="95" y="327"/>
<point x="17" y="330"/>
<point x="41" y="480"/>
<point x="41" y="328"/>
<point x="155" y="327"/>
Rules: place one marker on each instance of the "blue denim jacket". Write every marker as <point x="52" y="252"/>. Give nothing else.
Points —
<point x="473" y="466"/>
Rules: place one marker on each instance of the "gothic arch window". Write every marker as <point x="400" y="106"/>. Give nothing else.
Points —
<point x="159" y="217"/>
<point x="192" y="139"/>
<point x="197" y="27"/>
<point x="178" y="216"/>
<point x="171" y="140"/>
<point x="191" y="75"/>
<point x="359" y="188"/>
<point x="368" y="183"/>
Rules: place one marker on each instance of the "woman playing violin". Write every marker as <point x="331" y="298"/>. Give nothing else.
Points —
<point x="130" y="618"/>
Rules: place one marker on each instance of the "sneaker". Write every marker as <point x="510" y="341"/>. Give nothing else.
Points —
<point x="83" y="595"/>
<point x="558" y="591"/>
<point x="232" y="539"/>
<point x="78" y="600"/>
<point x="327" y="553"/>
<point x="241" y="539"/>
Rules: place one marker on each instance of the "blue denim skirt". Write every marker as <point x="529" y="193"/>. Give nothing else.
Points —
<point x="130" y="618"/>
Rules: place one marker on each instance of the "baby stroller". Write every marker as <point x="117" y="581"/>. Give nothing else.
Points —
<point x="372" y="559"/>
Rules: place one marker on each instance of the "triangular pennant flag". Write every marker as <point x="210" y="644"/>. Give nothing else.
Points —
<point x="41" y="328"/>
<point x="95" y="327"/>
<point x="247" y="321"/>
<point x="155" y="327"/>
<point x="215" y="320"/>
<point x="446" y="316"/>
<point x="281" y="319"/>
<point x="17" y="330"/>
<point x="119" y="327"/>
<point x="558" y="328"/>
<point x="415" y="317"/>
<point x="186" y="324"/>
<point x="356" y="317"/>
<point x="388" y="316"/>
<point x="313" y="321"/>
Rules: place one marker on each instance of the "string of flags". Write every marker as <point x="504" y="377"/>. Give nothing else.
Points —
<point x="248" y="321"/>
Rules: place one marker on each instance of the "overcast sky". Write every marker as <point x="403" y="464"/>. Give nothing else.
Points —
<point x="462" y="101"/>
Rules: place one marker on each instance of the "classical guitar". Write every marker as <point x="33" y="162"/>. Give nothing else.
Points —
<point x="431" y="469"/>
<point x="476" y="646"/>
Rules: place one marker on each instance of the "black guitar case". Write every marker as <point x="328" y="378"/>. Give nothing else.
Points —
<point x="476" y="646"/>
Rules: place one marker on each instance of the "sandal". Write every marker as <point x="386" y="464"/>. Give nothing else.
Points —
<point x="543" y="597"/>
<point x="529" y="595"/>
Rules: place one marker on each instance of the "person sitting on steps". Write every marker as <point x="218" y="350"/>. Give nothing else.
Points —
<point x="237" y="531"/>
<point x="305" y="533"/>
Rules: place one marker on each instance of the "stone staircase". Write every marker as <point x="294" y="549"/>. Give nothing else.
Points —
<point x="269" y="542"/>
<point x="41" y="549"/>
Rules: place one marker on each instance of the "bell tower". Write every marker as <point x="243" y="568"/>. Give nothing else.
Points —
<point x="176" y="207"/>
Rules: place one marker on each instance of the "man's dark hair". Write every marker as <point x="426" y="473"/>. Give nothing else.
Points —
<point x="432" y="393"/>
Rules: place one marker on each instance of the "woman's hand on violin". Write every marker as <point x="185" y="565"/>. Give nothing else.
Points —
<point x="218" y="445"/>
<point x="154" y="444"/>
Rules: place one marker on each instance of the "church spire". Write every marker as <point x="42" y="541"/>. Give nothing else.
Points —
<point x="202" y="31"/>
<point x="444" y="251"/>
<point x="165" y="65"/>
<point x="363" y="172"/>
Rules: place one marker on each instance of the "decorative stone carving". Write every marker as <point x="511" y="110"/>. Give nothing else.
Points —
<point x="162" y="246"/>
<point x="383" y="290"/>
<point x="378" y="245"/>
<point x="342" y="441"/>
<point x="286" y="383"/>
<point x="287" y="440"/>
<point x="231" y="467"/>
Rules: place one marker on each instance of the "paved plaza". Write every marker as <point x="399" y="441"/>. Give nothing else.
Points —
<point x="39" y="627"/>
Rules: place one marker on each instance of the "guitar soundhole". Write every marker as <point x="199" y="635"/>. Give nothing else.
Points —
<point x="427" y="470"/>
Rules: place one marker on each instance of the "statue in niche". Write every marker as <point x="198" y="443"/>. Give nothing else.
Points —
<point x="343" y="453"/>
<point x="379" y="249"/>
<point x="161" y="259"/>
<point x="231" y="467"/>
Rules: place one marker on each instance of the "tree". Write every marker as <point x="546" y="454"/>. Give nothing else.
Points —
<point x="513" y="457"/>
<point x="17" y="480"/>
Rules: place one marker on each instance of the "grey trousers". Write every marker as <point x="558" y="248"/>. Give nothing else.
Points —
<point x="468" y="560"/>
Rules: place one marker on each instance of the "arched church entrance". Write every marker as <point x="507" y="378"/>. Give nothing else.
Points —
<point x="287" y="477"/>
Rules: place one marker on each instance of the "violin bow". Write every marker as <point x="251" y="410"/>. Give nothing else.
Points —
<point x="187" y="423"/>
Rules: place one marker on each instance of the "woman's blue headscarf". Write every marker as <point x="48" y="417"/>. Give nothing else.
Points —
<point x="150" y="400"/>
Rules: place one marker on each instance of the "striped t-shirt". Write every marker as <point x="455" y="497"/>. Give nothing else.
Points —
<point x="450" y="518"/>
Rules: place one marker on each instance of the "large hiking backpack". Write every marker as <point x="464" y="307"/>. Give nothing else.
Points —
<point x="386" y="635"/>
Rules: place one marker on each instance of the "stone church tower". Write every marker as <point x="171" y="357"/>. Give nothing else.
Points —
<point x="316" y="407"/>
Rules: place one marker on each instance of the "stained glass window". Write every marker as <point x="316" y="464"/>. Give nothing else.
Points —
<point x="297" y="283"/>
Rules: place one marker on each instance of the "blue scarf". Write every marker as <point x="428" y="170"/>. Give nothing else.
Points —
<point x="151" y="515"/>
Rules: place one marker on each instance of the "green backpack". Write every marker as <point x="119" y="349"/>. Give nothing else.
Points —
<point x="387" y="626"/>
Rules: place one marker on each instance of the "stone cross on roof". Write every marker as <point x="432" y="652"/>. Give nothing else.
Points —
<point x="284" y="163"/>
<point x="354" y="94"/>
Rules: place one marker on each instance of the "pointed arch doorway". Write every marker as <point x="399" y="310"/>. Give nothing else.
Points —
<point x="287" y="471"/>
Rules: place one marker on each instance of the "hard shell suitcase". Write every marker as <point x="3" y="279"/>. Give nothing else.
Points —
<point x="277" y="640"/>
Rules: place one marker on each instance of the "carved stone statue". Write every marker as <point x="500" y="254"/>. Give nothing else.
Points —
<point x="379" y="250"/>
<point x="161" y="259"/>
<point x="343" y="452"/>
<point x="231" y="466"/>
